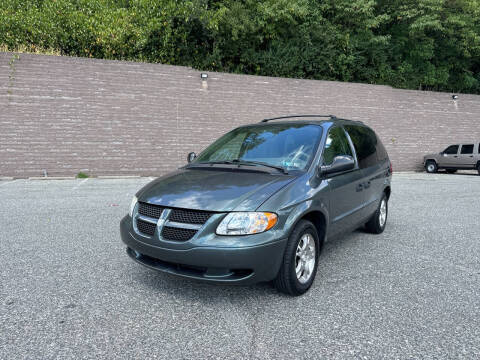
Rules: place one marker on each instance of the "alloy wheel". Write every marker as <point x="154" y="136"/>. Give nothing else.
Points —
<point x="383" y="213"/>
<point x="305" y="258"/>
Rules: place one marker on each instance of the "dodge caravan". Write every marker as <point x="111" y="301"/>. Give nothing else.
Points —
<point x="259" y="203"/>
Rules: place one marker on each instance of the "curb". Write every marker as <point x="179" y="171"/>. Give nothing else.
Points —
<point x="118" y="177"/>
<point x="51" y="178"/>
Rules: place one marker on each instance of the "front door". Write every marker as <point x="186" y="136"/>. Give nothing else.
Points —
<point x="346" y="195"/>
<point x="449" y="157"/>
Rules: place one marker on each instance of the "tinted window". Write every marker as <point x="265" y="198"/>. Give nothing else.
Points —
<point x="365" y="142"/>
<point x="287" y="145"/>
<point x="381" y="152"/>
<point x="479" y="148"/>
<point x="451" y="150"/>
<point x="336" y="144"/>
<point x="467" y="149"/>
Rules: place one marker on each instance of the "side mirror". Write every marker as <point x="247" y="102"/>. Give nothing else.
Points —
<point x="191" y="156"/>
<point x="340" y="163"/>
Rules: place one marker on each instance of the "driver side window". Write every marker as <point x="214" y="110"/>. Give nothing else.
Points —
<point x="336" y="144"/>
<point x="451" y="150"/>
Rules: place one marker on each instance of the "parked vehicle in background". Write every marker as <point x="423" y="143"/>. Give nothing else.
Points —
<point x="258" y="204"/>
<point x="454" y="157"/>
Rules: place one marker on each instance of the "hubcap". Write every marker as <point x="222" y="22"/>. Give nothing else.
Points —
<point x="305" y="258"/>
<point x="383" y="212"/>
<point x="430" y="167"/>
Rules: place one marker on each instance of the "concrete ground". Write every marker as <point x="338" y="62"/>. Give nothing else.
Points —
<point x="69" y="291"/>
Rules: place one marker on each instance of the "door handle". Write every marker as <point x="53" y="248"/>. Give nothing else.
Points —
<point x="471" y="155"/>
<point x="455" y="156"/>
<point x="359" y="187"/>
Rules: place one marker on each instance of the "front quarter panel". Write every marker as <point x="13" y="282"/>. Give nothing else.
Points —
<point x="300" y="197"/>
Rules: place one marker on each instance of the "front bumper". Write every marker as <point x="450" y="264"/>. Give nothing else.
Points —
<point x="226" y="264"/>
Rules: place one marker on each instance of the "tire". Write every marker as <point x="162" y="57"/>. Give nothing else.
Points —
<point x="478" y="168"/>
<point x="287" y="280"/>
<point x="451" y="171"/>
<point x="431" y="166"/>
<point x="378" y="221"/>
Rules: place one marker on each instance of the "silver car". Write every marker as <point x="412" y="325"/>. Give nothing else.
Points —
<point x="454" y="157"/>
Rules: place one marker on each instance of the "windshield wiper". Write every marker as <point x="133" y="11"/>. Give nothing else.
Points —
<point x="247" y="163"/>
<point x="259" y="163"/>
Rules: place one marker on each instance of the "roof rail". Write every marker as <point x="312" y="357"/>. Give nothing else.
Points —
<point x="299" y="116"/>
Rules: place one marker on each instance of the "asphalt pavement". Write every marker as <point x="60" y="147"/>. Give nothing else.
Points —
<point x="69" y="291"/>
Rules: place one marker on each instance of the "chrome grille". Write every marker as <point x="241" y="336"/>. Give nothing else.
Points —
<point x="180" y="224"/>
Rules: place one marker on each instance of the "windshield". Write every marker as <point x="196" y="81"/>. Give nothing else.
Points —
<point x="289" y="146"/>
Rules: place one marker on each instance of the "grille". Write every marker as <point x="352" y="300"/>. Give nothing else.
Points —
<point x="190" y="216"/>
<point x="177" y="234"/>
<point x="146" y="227"/>
<point x="153" y="211"/>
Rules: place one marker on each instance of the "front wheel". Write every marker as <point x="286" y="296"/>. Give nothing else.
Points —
<point x="378" y="221"/>
<point x="431" y="166"/>
<point x="300" y="260"/>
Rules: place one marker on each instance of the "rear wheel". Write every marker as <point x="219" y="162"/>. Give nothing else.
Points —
<point x="378" y="221"/>
<point x="431" y="166"/>
<point x="300" y="260"/>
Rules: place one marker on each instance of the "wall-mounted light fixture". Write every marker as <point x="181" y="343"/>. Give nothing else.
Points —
<point x="204" y="77"/>
<point x="454" y="97"/>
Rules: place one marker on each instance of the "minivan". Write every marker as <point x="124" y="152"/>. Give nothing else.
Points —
<point x="259" y="203"/>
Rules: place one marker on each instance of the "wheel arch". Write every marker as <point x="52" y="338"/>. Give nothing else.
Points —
<point x="318" y="218"/>
<point x="388" y="191"/>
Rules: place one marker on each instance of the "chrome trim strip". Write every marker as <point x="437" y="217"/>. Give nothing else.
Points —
<point x="161" y="221"/>
<point x="147" y="219"/>
<point x="183" y="225"/>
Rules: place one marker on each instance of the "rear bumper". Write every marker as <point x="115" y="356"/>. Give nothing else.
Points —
<point x="235" y="265"/>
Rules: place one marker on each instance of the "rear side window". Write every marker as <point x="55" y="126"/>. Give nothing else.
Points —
<point x="336" y="144"/>
<point x="451" y="150"/>
<point x="365" y="142"/>
<point x="467" y="149"/>
<point x="381" y="152"/>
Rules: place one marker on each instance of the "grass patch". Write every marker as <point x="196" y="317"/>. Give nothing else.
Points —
<point x="82" y="175"/>
<point x="32" y="49"/>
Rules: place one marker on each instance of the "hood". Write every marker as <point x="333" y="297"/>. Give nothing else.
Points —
<point x="213" y="190"/>
<point x="431" y="156"/>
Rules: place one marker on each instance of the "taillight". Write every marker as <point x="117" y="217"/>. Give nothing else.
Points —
<point x="391" y="168"/>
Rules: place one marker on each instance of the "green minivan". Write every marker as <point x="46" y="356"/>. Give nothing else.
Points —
<point x="258" y="204"/>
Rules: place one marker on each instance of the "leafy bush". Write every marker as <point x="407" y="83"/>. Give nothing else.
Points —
<point x="419" y="44"/>
<point x="82" y="175"/>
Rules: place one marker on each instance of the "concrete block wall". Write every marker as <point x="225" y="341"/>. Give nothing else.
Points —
<point x="66" y="115"/>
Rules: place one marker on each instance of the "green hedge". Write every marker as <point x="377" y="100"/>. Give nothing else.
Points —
<point x="418" y="44"/>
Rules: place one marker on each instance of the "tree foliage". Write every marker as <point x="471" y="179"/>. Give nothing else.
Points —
<point x="418" y="44"/>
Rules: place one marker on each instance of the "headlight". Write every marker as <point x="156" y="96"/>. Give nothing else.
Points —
<point x="244" y="223"/>
<point x="132" y="205"/>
